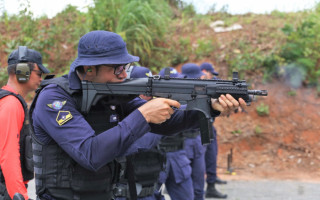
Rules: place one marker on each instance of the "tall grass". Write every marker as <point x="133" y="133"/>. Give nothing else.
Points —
<point x="141" y="23"/>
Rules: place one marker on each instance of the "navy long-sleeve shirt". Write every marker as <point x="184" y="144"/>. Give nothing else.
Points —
<point x="55" y="117"/>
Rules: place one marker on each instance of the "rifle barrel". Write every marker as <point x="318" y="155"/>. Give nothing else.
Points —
<point x="258" y="92"/>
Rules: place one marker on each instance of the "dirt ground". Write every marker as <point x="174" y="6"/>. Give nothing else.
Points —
<point x="283" y="145"/>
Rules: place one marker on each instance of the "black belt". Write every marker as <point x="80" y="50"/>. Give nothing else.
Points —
<point x="170" y="148"/>
<point x="191" y="133"/>
<point x="123" y="191"/>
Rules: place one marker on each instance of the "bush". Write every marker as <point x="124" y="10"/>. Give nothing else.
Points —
<point x="204" y="48"/>
<point x="245" y="61"/>
<point x="302" y="46"/>
<point x="3" y="76"/>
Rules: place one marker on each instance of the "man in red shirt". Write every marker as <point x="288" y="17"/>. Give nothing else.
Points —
<point x="24" y="69"/>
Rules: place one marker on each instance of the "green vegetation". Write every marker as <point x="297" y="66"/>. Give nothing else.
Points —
<point x="262" y="109"/>
<point x="258" y="130"/>
<point x="204" y="48"/>
<point x="170" y="33"/>
<point x="302" y="46"/>
<point x="292" y="93"/>
<point x="140" y="23"/>
<point x="236" y="132"/>
<point x="3" y="76"/>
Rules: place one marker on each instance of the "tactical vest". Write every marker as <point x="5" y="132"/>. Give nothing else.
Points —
<point x="146" y="167"/>
<point x="25" y="146"/>
<point x="56" y="173"/>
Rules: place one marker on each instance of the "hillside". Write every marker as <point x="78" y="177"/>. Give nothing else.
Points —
<point x="285" y="143"/>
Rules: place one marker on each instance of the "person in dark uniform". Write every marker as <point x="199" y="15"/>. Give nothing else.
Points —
<point x="147" y="160"/>
<point x="193" y="146"/>
<point x="177" y="176"/>
<point x="16" y="169"/>
<point x="211" y="153"/>
<point x="74" y="152"/>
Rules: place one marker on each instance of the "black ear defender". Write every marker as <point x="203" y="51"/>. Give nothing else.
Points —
<point x="22" y="68"/>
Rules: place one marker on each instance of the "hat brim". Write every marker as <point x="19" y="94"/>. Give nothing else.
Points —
<point x="180" y="76"/>
<point x="214" y="73"/>
<point x="74" y="82"/>
<point x="92" y="61"/>
<point x="43" y="69"/>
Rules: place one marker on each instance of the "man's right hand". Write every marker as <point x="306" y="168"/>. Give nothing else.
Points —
<point x="158" y="110"/>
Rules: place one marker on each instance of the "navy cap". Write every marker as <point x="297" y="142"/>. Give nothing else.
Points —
<point x="208" y="67"/>
<point x="97" y="48"/>
<point x="31" y="55"/>
<point x="140" y="72"/>
<point x="173" y="73"/>
<point x="191" y="70"/>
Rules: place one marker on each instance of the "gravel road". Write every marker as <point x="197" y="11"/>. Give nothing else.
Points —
<point x="257" y="190"/>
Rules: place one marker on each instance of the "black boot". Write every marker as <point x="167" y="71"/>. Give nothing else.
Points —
<point x="219" y="181"/>
<point x="212" y="192"/>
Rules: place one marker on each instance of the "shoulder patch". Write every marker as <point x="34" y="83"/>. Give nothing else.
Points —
<point x="63" y="117"/>
<point x="57" y="105"/>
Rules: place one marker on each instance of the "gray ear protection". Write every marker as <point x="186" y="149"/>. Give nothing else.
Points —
<point x="22" y="68"/>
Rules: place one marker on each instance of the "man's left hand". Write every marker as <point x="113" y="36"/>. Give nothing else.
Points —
<point x="226" y="104"/>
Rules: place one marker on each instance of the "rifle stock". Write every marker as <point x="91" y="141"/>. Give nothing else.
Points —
<point x="18" y="196"/>
<point x="195" y="93"/>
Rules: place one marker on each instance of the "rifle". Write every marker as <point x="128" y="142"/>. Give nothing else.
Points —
<point x="195" y="93"/>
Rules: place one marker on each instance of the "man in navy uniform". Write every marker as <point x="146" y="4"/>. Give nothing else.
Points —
<point x="208" y="70"/>
<point x="177" y="176"/>
<point x="211" y="153"/>
<point x="147" y="160"/>
<point x="74" y="152"/>
<point x="193" y="146"/>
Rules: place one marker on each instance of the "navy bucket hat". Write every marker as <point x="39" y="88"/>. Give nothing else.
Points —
<point x="97" y="48"/>
<point x="208" y="67"/>
<point x="140" y="72"/>
<point x="31" y="55"/>
<point x="191" y="70"/>
<point x="173" y="73"/>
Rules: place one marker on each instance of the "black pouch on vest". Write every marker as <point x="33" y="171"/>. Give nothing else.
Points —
<point x="84" y="180"/>
<point x="147" y="166"/>
<point x="28" y="154"/>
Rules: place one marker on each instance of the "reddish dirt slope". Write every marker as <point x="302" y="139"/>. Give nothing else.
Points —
<point x="283" y="145"/>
